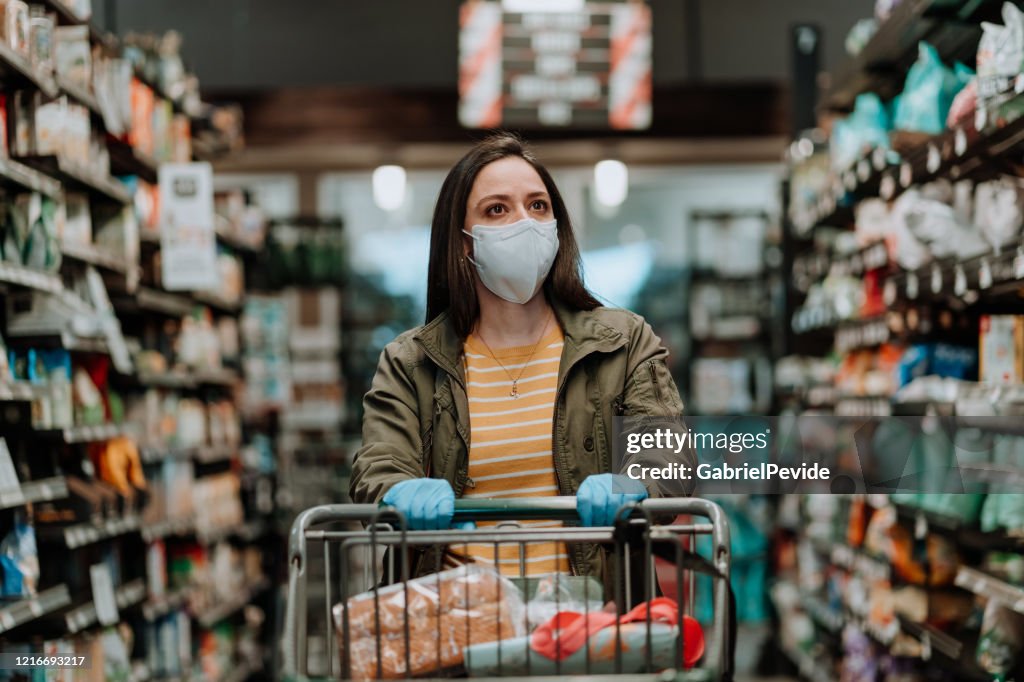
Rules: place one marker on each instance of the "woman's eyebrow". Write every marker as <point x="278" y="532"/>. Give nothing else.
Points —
<point x="505" y="197"/>
<point x="489" y="197"/>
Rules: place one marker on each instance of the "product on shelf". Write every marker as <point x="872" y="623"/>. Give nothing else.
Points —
<point x="928" y="93"/>
<point x="14" y="22"/>
<point x="19" y="559"/>
<point x="1002" y="349"/>
<point x="73" y="54"/>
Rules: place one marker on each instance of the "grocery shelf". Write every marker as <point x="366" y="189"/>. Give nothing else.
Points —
<point x="242" y="671"/>
<point x="207" y="454"/>
<point x="217" y="302"/>
<point x="42" y="490"/>
<point x="865" y="333"/>
<point x="851" y="559"/>
<point x="248" y="531"/>
<point x="55" y="338"/>
<point x="15" y="614"/>
<point x="821" y="613"/>
<point x="17" y="70"/>
<point x="85" y="616"/>
<point x="985" y="275"/>
<point x="1008" y="476"/>
<point x="105" y="188"/>
<point x="29" y="278"/>
<point x="85" y="434"/>
<point x="882" y="64"/>
<point x="82" y="534"/>
<point x="17" y="391"/>
<point x="168" y="528"/>
<point x="213" y="615"/>
<point x="217" y="377"/>
<point x="863" y="407"/>
<point x="68" y="17"/>
<point x="80" y="94"/>
<point x="20" y="175"/>
<point x="228" y="239"/>
<point x="95" y="255"/>
<point x="165" y="380"/>
<point x="985" y="585"/>
<point x="808" y="668"/>
<point x="128" y="160"/>
<point x="154" y="300"/>
<point x="157" y="607"/>
<point x="156" y="454"/>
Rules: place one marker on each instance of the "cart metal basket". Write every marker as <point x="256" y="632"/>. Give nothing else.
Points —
<point x="362" y="547"/>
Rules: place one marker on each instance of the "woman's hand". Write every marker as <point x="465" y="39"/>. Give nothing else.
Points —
<point x="602" y="495"/>
<point x="426" y="503"/>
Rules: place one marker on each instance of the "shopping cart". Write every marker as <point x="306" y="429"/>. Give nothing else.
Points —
<point x="641" y="546"/>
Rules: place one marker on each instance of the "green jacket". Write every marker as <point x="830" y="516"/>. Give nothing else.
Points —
<point x="416" y="414"/>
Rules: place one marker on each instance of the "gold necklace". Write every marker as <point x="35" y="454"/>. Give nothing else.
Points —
<point x="514" y="393"/>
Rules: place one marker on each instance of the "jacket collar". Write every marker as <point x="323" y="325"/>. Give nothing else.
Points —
<point x="584" y="332"/>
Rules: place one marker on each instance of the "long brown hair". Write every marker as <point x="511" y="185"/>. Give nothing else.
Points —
<point x="450" y="275"/>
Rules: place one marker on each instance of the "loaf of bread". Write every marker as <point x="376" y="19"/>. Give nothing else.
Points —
<point x="447" y="612"/>
<point x="436" y="644"/>
<point x="424" y="604"/>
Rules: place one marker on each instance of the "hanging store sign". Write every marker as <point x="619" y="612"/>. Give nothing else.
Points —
<point x="588" y="67"/>
<point x="188" y="243"/>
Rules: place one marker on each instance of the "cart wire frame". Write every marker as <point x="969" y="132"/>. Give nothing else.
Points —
<point x="633" y="521"/>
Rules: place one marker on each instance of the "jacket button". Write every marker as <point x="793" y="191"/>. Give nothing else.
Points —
<point x="588" y="443"/>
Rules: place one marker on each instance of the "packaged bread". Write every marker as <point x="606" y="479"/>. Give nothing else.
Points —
<point x="447" y="612"/>
<point x="436" y="644"/>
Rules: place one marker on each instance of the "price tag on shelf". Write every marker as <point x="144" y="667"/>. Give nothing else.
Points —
<point x="849" y="180"/>
<point x="960" y="142"/>
<point x="934" y="159"/>
<point x="889" y="292"/>
<point x="980" y="118"/>
<point x="936" y="280"/>
<point x="35" y="608"/>
<point x="1018" y="83"/>
<point x="9" y="483"/>
<point x="960" y="281"/>
<point x="984" y="274"/>
<point x="878" y="158"/>
<point x="863" y="170"/>
<point x="6" y="620"/>
<point x="1018" y="264"/>
<point x="887" y="187"/>
<point x="103" y="594"/>
<point x="906" y="174"/>
<point x="912" y="285"/>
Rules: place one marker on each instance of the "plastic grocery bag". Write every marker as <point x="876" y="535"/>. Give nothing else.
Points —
<point x="566" y="642"/>
<point x="447" y="612"/>
<point x="929" y="91"/>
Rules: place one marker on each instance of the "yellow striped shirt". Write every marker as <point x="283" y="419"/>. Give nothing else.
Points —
<point x="510" y="440"/>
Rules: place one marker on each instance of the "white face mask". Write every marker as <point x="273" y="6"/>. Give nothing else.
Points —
<point x="513" y="260"/>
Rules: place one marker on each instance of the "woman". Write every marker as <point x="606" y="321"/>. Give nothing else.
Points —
<point x="511" y="386"/>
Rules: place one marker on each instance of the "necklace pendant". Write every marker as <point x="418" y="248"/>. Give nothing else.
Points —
<point x="514" y="393"/>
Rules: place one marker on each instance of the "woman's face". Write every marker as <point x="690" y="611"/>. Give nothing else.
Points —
<point x="505" y="192"/>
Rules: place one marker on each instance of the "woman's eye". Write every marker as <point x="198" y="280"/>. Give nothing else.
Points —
<point x="496" y="209"/>
<point x="540" y="205"/>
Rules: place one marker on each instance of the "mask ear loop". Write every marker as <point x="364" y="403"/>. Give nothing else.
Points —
<point x="469" y="257"/>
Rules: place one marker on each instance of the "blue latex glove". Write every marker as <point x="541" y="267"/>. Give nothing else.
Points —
<point x="426" y="503"/>
<point x="601" y="495"/>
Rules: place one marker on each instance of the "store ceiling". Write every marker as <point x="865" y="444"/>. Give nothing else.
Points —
<point x="330" y="84"/>
<point x="245" y="45"/>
